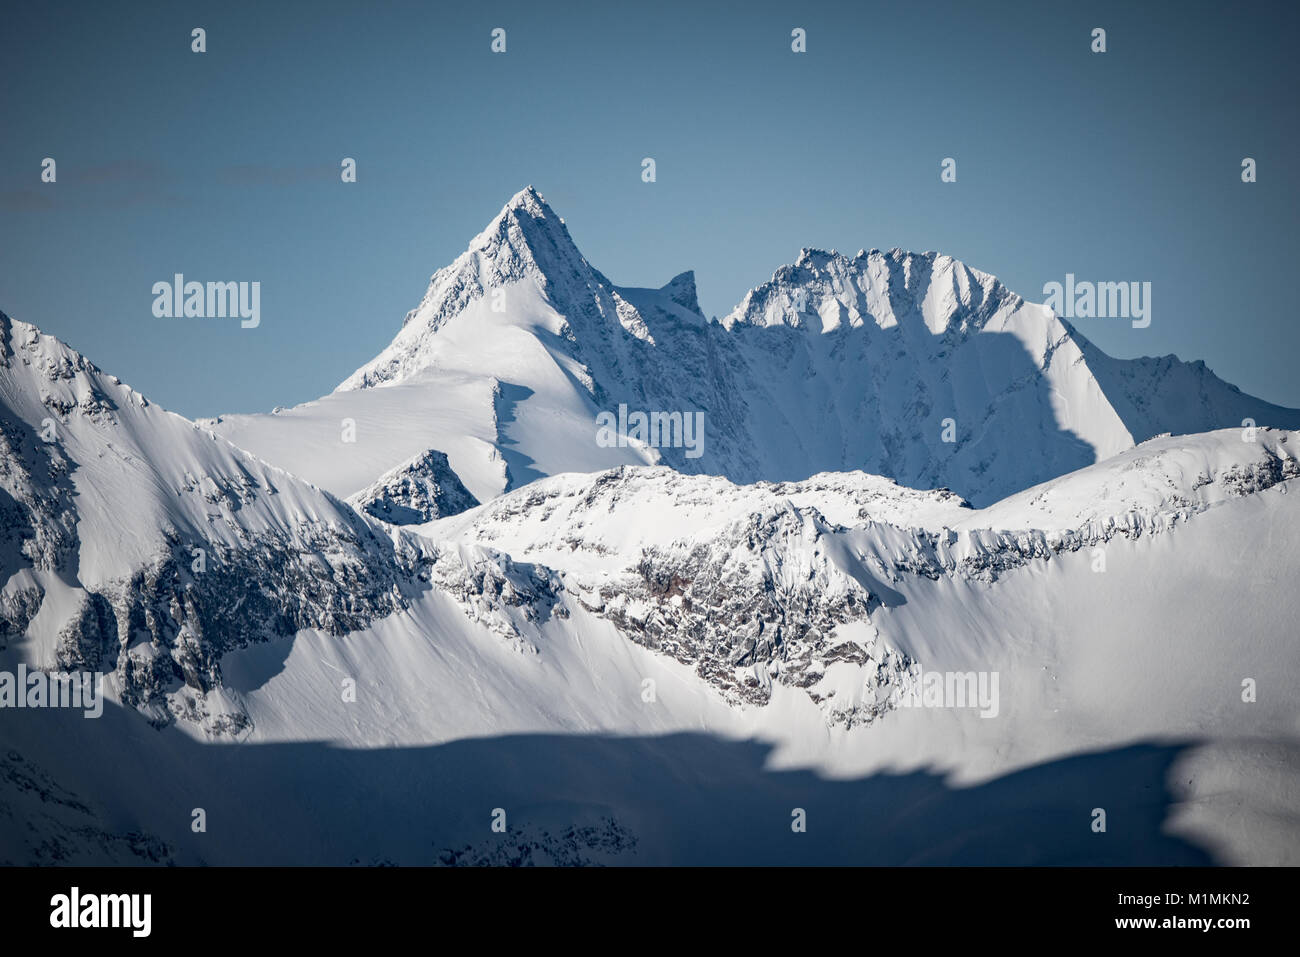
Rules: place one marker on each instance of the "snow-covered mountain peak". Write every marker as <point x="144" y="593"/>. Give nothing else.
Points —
<point x="527" y="234"/>
<point x="524" y="244"/>
<point x="531" y="200"/>
<point x="825" y="290"/>
<point x="69" y="381"/>
<point x="909" y="365"/>
<point x="527" y="244"/>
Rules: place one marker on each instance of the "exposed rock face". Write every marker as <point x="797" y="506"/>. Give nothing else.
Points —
<point x="748" y="601"/>
<point x="171" y="624"/>
<point x="176" y="547"/>
<point x="17" y="608"/>
<point x="418" y="491"/>
<point x="89" y="642"/>
<point x="759" y="603"/>
<point x="165" y="627"/>
<point x="509" y="598"/>
<point x="37" y="522"/>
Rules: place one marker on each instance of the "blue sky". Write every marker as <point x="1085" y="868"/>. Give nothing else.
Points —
<point x="224" y="165"/>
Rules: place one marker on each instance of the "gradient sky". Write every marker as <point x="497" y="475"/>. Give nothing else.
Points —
<point x="225" y="165"/>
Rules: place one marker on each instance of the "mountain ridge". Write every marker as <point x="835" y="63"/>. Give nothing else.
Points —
<point x="910" y="365"/>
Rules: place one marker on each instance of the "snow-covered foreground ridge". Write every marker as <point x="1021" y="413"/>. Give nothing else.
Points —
<point x="142" y="544"/>
<point x="477" y="604"/>
<point x="780" y="583"/>
<point x="135" y="542"/>
<point x="799" y="613"/>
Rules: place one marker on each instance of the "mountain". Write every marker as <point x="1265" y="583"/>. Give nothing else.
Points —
<point x="135" y="543"/>
<point x="451" y="594"/>
<point x="907" y="365"/>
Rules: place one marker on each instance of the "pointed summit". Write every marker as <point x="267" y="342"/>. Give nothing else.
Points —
<point x="526" y="237"/>
<point x="681" y="290"/>
<point x="525" y="241"/>
<point x="527" y="205"/>
<point x="531" y="200"/>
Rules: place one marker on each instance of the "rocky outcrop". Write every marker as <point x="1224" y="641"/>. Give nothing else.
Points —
<point x="418" y="491"/>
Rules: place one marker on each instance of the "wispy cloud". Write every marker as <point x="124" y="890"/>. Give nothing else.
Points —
<point x="113" y="185"/>
<point x="259" y="174"/>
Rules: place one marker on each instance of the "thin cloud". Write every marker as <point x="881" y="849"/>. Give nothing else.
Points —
<point x="257" y="174"/>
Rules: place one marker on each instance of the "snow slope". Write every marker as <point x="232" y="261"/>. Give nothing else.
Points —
<point x="135" y="542"/>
